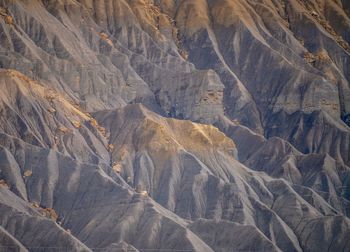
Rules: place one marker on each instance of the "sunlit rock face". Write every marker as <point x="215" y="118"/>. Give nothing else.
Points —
<point x="202" y="125"/>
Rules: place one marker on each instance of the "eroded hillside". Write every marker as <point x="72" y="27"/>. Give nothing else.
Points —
<point x="197" y="125"/>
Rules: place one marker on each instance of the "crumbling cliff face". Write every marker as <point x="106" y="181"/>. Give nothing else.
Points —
<point x="196" y="125"/>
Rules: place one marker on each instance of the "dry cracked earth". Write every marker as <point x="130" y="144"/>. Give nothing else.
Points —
<point x="174" y="125"/>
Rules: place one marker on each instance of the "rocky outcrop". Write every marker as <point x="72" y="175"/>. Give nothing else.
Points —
<point x="201" y="125"/>
<point x="98" y="209"/>
<point x="28" y="229"/>
<point x="153" y="155"/>
<point x="43" y="117"/>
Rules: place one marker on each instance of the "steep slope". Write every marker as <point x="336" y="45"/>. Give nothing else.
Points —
<point x="278" y="158"/>
<point x="123" y="52"/>
<point x="107" y="114"/>
<point x="43" y="117"/>
<point x="68" y="191"/>
<point x="192" y="170"/>
<point x="105" y="71"/>
<point x="91" y="205"/>
<point x="30" y="228"/>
